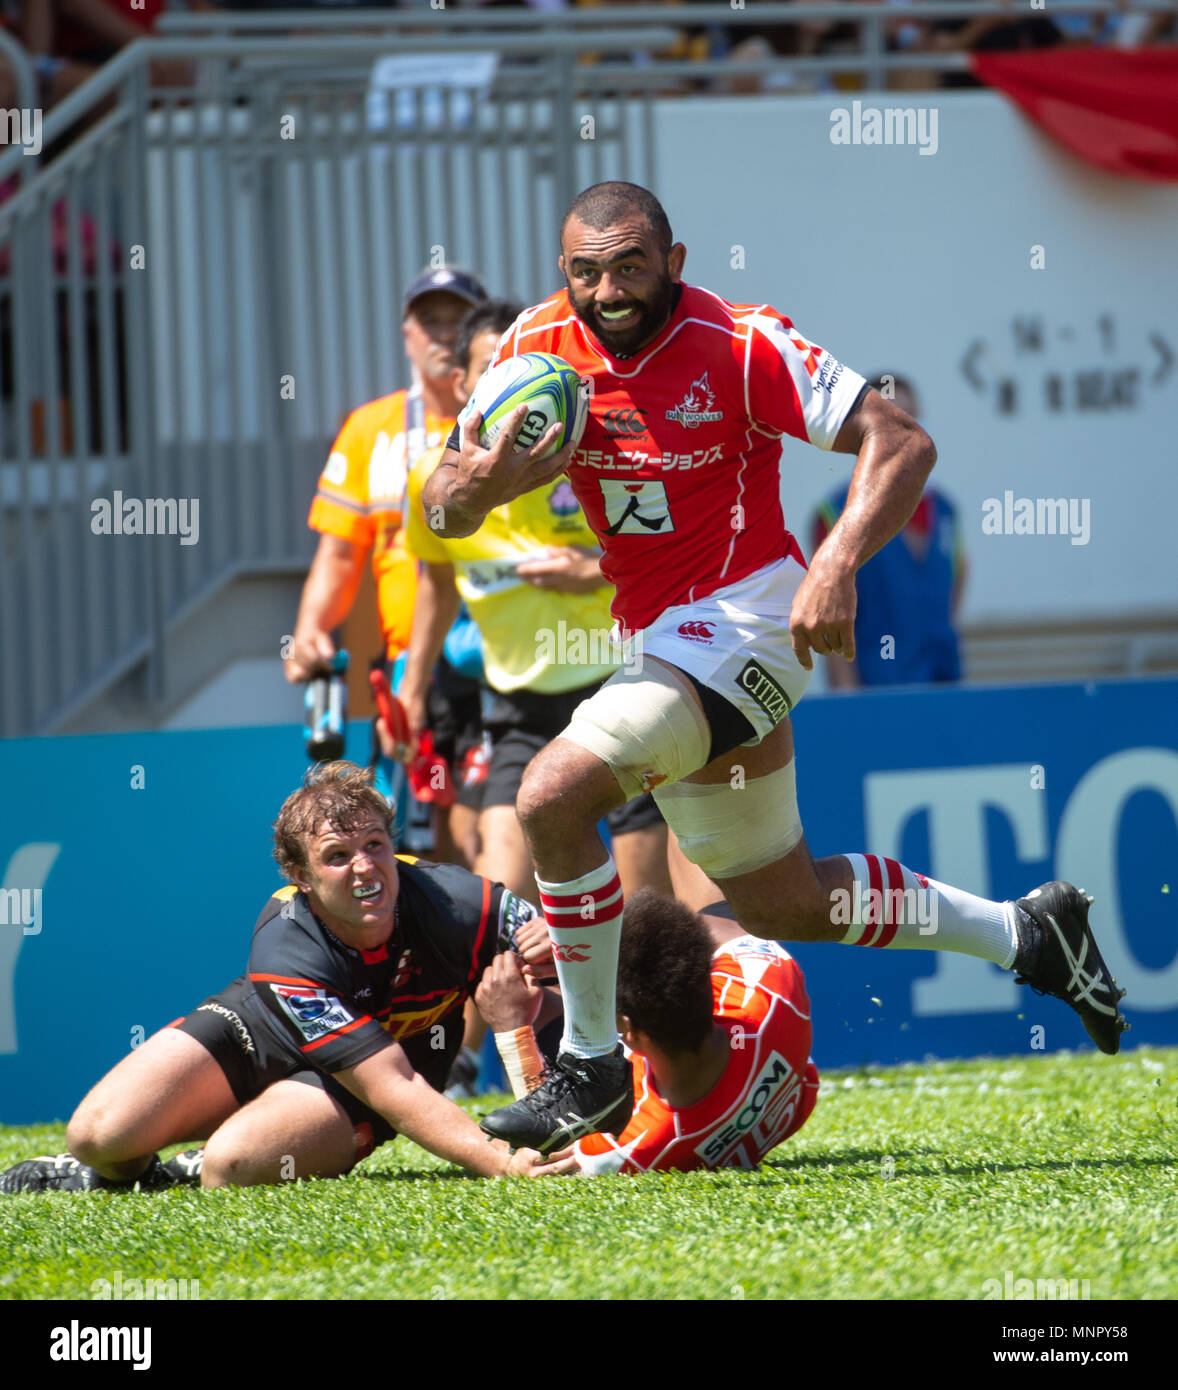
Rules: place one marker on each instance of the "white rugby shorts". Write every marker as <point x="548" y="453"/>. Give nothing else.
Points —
<point x="737" y="642"/>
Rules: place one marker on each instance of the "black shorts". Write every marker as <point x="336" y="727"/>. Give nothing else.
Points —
<point x="231" y="1026"/>
<point x="524" y="722"/>
<point x="454" y="708"/>
<point x="454" y="713"/>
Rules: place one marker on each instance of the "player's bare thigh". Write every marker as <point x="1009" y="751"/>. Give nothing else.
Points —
<point x="167" y="1090"/>
<point x="290" y="1131"/>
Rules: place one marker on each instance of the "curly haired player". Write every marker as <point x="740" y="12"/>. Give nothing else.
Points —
<point x="717" y="1023"/>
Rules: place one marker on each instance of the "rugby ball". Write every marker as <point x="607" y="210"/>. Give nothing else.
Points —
<point x="547" y="385"/>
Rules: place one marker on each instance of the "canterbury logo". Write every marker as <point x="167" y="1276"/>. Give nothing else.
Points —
<point x="702" y="632"/>
<point x="624" y="422"/>
<point x="572" y="953"/>
<point x="1081" y="985"/>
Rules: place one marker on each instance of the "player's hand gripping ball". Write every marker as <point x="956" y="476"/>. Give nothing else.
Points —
<point x="547" y="385"/>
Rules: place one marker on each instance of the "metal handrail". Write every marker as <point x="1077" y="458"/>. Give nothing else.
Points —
<point x="110" y="77"/>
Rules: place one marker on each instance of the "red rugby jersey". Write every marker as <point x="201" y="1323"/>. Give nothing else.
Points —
<point x="678" y="468"/>
<point x="766" y="1093"/>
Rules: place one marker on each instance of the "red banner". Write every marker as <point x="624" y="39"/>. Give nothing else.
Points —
<point x="1116" y="109"/>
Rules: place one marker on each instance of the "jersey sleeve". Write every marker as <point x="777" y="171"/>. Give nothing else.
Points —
<point x="513" y="912"/>
<point x="427" y="545"/>
<point x="794" y="386"/>
<point x="340" y="506"/>
<point x="320" y="1021"/>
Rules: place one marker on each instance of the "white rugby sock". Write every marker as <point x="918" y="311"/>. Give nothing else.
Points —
<point x="891" y="906"/>
<point x="584" y="919"/>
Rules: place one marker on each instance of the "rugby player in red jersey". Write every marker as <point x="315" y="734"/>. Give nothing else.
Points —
<point x="338" y="1037"/>
<point x="718" y="1026"/>
<point x="677" y="472"/>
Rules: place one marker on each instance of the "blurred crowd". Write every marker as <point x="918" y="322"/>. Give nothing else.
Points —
<point x="67" y="40"/>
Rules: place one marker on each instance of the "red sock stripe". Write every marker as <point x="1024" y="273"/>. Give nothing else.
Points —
<point x="573" y="904"/>
<point x="871" y="909"/>
<point x="895" y="882"/>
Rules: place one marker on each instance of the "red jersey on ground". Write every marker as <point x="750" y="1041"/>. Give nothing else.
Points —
<point x="677" y="471"/>
<point x="766" y="1093"/>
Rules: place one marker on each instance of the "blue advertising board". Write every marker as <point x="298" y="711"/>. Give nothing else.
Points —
<point x="140" y="862"/>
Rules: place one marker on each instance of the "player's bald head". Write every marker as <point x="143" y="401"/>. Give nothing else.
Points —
<point x="604" y="205"/>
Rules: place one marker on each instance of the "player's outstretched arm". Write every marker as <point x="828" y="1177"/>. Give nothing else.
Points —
<point x="472" y="481"/>
<point x="895" y="459"/>
<point x="388" y="1084"/>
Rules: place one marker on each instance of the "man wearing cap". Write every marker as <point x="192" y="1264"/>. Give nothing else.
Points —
<point x="358" y="505"/>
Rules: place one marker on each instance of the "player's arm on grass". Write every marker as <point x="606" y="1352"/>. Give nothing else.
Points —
<point x="471" y="481"/>
<point x="388" y="1084"/>
<point x="895" y="459"/>
<point x="434" y="610"/>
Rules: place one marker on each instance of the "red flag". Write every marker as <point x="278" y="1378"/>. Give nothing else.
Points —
<point x="1117" y="109"/>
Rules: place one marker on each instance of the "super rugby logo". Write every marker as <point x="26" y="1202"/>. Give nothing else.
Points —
<point x="754" y="679"/>
<point x="314" y="1012"/>
<point x="696" y="406"/>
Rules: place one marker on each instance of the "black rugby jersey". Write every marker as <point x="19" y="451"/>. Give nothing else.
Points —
<point x="334" y="1005"/>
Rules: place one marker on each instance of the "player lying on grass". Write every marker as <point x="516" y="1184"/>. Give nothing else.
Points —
<point x="718" y="1026"/>
<point x="339" y="1036"/>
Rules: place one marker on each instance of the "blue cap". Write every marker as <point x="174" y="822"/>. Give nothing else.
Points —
<point x="445" y="280"/>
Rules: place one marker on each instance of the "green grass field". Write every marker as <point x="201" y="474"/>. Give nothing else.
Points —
<point x="909" y="1182"/>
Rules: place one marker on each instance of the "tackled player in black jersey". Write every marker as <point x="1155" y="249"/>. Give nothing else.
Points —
<point x="339" y="1035"/>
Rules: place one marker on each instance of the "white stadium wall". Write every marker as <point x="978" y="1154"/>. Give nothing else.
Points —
<point x="1047" y="383"/>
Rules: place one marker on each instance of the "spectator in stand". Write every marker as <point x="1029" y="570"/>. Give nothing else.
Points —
<point x="909" y="591"/>
<point x="991" y="34"/>
<point x="69" y="40"/>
